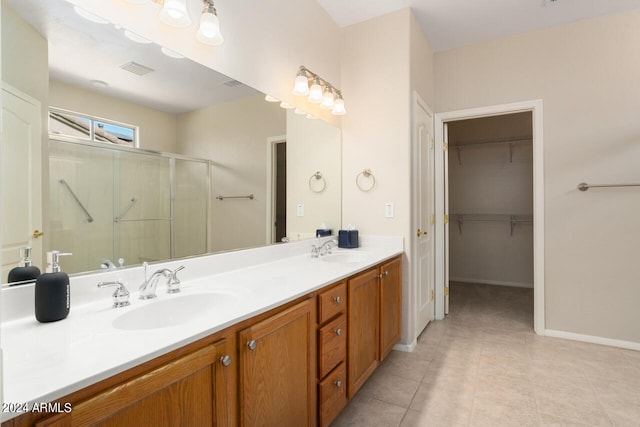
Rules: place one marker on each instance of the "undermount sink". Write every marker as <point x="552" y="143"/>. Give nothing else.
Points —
<point x="174" y="310"/>
<point x="347" y="257"/>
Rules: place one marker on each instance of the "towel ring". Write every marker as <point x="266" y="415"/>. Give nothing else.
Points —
<point x="318" y="176"/>
<point x="366" y="173"/>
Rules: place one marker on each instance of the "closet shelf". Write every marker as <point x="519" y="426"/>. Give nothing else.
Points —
<point x="512" y="219"/>
<point x="509" y="141"/>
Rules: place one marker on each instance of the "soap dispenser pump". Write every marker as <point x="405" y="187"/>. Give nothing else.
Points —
<point x="24" y="272"/>
<point x="53" y="297"/>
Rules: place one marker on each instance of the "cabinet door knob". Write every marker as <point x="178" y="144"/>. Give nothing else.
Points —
<point x="338" y="331"/>
<point x="337" y="300"/>
<point x="37" y="233"/>
<point x="225" y="360"/>
<point x="386" y="273"/>
<point x="252" y="345"/>
<point x="338" y="383"/>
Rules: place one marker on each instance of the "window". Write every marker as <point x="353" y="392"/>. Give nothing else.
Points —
<point x="88" y="128"/>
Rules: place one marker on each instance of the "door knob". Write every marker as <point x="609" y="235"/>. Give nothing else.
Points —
<point x="37" y="233"/>
<point x="421" y="233"/>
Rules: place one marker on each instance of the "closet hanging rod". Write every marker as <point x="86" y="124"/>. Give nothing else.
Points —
<point x="250" y="197"/>
<point x="493" y="141"/>
<point x="583" y="186"/>
<point x="89" y="217"/>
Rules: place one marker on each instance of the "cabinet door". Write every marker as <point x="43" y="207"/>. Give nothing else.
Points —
<point x="363" y="324"/>
<point x="183" y="392"/>
<point x="390" y="305"/>
<point x="276" y="370"/>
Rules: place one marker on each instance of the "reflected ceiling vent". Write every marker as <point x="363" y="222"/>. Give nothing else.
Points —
<point x="232" y="83"/>
<point x="135" y="68"/>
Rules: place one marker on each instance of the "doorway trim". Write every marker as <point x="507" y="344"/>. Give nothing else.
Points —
<point x="535" y="107"/>
<point x="270" y="183"/>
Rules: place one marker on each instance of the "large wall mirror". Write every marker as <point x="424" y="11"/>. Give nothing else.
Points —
<point x="210" y="165"/>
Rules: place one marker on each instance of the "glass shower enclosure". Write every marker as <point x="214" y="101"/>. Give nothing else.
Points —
<point x="110" y="203"/>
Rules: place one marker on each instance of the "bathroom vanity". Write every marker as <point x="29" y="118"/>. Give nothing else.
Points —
<point x="292" y="340"/>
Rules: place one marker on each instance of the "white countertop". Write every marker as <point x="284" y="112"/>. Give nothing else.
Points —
<point x="46" y="361"/>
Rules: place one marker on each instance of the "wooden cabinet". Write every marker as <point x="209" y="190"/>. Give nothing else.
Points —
<point x="332" y="352"/>
<point x="390" y="274"/>
<point x="363" y="328"/>
<point x="194" y="390"/>
<point x="374" y="319"/>
<point x="277" y="373"/>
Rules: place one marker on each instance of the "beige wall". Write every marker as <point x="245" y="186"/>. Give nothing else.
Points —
<point x="383" y="61"/>
<point x="238" y="148"/>
<point x="312" y="145"/>
<point x="157" y="129"/>
<point x="587" y="75"/>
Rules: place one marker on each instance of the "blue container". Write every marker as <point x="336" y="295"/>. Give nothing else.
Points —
<point x="348" y="239"/>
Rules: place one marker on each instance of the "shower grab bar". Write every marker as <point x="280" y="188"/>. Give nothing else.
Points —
<point x="583" y="186"/>
<point x="131" y="203"/>
<point x="250" y="196"/>
<point x="89" y="217"/>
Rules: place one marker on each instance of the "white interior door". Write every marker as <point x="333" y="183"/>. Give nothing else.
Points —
<point x="424" y="216"/>
<point x="21" y="178"/>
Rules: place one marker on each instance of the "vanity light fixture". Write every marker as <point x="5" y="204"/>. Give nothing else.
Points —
<point x="209" y="29"/>
<point x="321" y="91"/>
<point x="175" y="13"/>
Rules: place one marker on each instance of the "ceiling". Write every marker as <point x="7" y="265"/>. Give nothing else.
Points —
<point x="453" y="23"/>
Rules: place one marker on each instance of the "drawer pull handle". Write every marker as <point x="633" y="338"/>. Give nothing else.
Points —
<point x="338" y="331"/>
<point x="338" y="383"/>
<point x="225" y="360"/>
<point x="252" y="345"/>
<point x="337" y="300"/>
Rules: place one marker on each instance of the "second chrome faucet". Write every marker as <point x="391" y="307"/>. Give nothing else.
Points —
<point x="148" y="287"/>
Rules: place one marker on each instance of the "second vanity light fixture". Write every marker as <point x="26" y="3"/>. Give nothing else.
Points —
<point x="320" y="92"/>
<point x="176" y="14"/>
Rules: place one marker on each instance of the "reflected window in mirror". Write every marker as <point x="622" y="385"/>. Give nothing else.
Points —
<point x="88" y="128"/>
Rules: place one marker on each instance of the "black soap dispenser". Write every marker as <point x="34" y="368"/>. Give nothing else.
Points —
<point x="25" y="272"/>
<point x="53" y="297"/>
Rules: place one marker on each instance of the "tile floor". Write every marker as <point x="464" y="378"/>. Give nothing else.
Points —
<point x="484" y="366"/>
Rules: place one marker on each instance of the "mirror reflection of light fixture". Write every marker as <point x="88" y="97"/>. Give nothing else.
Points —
<point x="270" y="98"/>
<point x="136" y="38"/>
<point x="209" y="29"/>
<point x="89" y="16"/>
<point x="329" y="98"/>
<point x="175" y="13"/>
<point x="170" y="53"/>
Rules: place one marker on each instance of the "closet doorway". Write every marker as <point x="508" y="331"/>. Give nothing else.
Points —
<point x="490" y="174"/>
<point x="491" y="196"/>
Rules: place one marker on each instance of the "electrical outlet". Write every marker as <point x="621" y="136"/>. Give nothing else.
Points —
<point x="388" y="210"/>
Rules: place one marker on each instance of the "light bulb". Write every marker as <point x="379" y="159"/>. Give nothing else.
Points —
<point x="315" y="92"/>
<point x="327" y="99"/>
<point x="338" y="107"/>
<point x="174" y="13"/>
<point x="301" y="86"/>
<point x="209" y="30"/>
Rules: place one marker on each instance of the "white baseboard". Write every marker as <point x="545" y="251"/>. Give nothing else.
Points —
<point x="491" y="282"/>
<point x="406" y="347"/>
<point x="592" y="339"/>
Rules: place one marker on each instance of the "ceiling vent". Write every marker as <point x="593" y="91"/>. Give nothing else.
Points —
<point x="232" y="83"/>
<point x="137" y="69"/>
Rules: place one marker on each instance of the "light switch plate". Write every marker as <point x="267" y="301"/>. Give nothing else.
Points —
<point x="388" y="210"/>
<point x="300" y="209"/>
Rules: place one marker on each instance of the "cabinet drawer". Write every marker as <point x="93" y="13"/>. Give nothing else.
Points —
<point x="332" y="345"/>
<point x="333" y="395"/>
<point x="332" y="302"/>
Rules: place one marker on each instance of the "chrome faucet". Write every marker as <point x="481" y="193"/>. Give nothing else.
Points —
<point x="324" y="249"/>
<point x="148" y="288"/>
